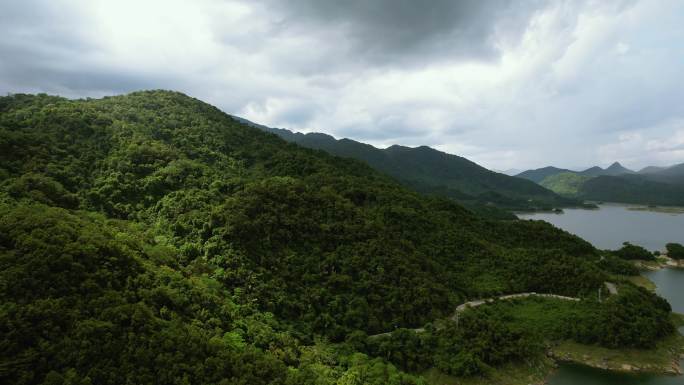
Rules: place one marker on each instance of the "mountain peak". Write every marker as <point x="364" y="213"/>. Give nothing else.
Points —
<point x="616" y="167"/>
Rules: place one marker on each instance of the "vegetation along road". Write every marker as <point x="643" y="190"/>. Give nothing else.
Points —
<point x="464" y="306"/>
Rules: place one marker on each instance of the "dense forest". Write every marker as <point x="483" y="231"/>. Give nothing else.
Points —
<point x="433" y="172"/>
<point x="151" y="238"/>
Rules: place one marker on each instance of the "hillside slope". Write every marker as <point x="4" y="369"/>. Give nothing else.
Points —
<point x="212" y="186"/>
<point x="151" y="238"/>
<point x="430" y="171"/>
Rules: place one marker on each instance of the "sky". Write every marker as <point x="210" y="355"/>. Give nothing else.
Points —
<point x="507" y="84"/>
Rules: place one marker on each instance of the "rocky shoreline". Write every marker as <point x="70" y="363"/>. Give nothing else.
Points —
<point x="661" y="262"/>
<point x="673" y="368"/>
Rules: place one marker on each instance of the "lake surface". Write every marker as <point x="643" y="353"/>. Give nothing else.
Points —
<point x="607" y="228"/>
<point x="612" y="224"/>
<point x="670" y="284"/>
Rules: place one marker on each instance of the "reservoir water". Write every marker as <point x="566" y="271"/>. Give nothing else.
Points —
<point x="611" y="224"/>
<point x="670" y="285"/>
<point x="606" y="228"/>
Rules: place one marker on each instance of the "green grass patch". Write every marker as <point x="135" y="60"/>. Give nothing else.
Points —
<point x="642" y="281"/>
<point x="544" y="318"/>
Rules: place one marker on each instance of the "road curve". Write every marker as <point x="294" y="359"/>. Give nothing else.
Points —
<point x="479" y="302"/>
<point x="467" y="305"/>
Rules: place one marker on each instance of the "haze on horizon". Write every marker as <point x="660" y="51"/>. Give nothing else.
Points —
<point x="506" y="84"/>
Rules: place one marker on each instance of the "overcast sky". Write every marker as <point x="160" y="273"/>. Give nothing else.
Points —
<point x="508" y="84"/>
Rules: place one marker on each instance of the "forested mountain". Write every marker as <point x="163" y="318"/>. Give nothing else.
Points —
<point x="151" y="238"/>
<point x="427" y="170"/>
<point x="633" y="189"/>
<point x="538" y="175"/>
<point x="651" y="185"/>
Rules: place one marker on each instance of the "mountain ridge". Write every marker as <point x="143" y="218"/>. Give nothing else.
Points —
<point x="432" y="171"/>
<point x="539" y="174"/>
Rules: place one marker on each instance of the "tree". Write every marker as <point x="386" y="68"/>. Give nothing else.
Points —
<point x="675" y="251"/>
<point x="630" y="251"/>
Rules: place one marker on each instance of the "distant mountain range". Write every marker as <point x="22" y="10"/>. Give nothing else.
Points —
<point x="651" y="185"/>
<point x="540" y="174"/>
<point x="430" y="171"/>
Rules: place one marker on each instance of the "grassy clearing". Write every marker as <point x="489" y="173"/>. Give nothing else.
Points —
<point x="544" y="318"/>
<point x="638" y="280"/>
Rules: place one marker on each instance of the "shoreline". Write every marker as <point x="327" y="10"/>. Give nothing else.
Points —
<point x="661" y="262"/>
<point x="661" y="360"/>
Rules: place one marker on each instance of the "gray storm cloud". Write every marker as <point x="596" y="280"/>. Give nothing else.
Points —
<point x="407" y="31"/>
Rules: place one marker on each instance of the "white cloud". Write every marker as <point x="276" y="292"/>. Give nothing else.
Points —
<point x="659" y="145"/>
<point x="569" y="83"/>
